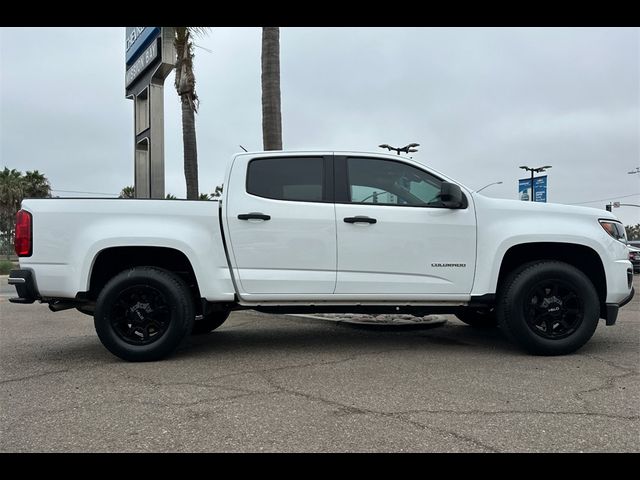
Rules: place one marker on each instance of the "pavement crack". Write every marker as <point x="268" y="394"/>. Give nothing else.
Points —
<point x="345" y="409"/>
<point x="513" y="411"/>
<point x="203" y="401"/>
<point x="610" y="363"/>
<point x="37" y="375"/>
<point x="207" y="385"/>
<point x="153" y="403"/>
<point x="305" y="365"/>
<point x="457" y="435"/>
<point x="609" y="383"/>
<point x="256" y="371"/>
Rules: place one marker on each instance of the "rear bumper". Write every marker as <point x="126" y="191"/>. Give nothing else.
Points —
<point x="25" y="282"/>
<point x="612" y="308"/>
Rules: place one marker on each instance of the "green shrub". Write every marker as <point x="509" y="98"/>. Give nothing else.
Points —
<point x="5" y="267"/>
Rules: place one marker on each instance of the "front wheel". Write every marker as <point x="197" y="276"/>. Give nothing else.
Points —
<point x="143" y="314"/>
<point x="548" y="308"/>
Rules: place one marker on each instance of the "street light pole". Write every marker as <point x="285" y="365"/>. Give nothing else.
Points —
<point x="533" y="193"/>
<point x="494" y="183"/>
<point x="532" y="170"/>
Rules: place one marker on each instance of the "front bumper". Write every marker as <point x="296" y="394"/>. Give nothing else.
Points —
<point x="25" y="282"/>
<point x="612" y="308"/>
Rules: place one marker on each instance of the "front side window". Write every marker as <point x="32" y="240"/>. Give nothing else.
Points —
<point x="387" y="182"/>
<point x="292" y="178"/>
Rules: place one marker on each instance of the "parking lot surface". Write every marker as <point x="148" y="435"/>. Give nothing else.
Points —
<point x="274" y="383"/>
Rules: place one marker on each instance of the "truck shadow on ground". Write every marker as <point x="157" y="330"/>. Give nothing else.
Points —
<point x="325" y="336"/>
<point x="270" y="337"/>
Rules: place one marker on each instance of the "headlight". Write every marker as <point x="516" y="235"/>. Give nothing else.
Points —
<point x="615" y="229"/>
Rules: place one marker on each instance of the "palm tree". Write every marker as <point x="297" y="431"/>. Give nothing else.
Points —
<point x="36" y="185"/>
<point x="11" y="189"/>
<point x="185" y="84"/>
<point x="14" y="187"/>
<point x="11" y="186"/>
<point x="271" y="111"/>
<point x="128" y="192"/>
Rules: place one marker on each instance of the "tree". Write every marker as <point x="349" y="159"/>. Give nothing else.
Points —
<point x="128" y="192"/>
<point x="185" y="83"/>
<point x="271" y="110"/>
<point x="633" y="231"/>
<point x="36" y="185"/>
<point x="14" y="187"/>
<point x="11" y="189"/>
<point x="217" y="193"/>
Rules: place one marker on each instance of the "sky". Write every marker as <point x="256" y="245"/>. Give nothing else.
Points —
<point x="479" y="101"/>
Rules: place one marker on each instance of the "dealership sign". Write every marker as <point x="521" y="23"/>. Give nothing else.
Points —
<point x="539" y="189"/>
<point x="137" y="38"/>
<point x="141" y="51"/>
<point x="143" y="62"/>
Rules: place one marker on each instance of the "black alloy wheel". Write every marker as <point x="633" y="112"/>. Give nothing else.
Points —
<point x="144" y="314"/>
<point x="140" y="314"/>
<point x="548" y="307"/>
<point x="554" y="309"/>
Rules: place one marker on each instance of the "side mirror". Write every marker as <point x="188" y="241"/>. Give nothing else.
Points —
<point x="451" y="195"/>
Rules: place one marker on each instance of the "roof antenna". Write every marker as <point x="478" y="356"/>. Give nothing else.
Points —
<point x="243" y="148"/>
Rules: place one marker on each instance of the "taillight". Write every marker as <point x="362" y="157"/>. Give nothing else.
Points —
<point x="23" y="241"/>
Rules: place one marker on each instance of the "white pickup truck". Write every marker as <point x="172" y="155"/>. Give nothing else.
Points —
<point x="324" y="232"/>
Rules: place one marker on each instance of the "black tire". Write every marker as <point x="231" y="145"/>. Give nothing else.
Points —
<point x="209" y="322"/>
<point x="548" y="308"/>
<point x="478" y="317"/>
<point x="151" y="328"/>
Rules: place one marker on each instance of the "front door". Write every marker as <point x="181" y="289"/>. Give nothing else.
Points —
<point x="393" y="237"/>
<point x="281" y="223"/>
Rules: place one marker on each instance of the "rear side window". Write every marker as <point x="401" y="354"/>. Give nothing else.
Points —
<point x="292" y="178"/>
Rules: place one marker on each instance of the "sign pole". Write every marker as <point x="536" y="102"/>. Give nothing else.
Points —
<point x="149" y="57"/>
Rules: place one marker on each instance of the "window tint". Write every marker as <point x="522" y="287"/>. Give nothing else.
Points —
<point x="286" y="178"/>
<point x="390" y="183"/>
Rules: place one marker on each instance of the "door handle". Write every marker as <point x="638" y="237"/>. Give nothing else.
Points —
<point x="360" y="219"/>
<point x="254" y="216"/>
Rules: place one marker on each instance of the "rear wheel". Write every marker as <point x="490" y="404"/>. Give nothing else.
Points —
<point x="478" y="317"/>
<point x="143" y="314"/>
<point x="209" y="322"/>
<point x="549" y="308"/>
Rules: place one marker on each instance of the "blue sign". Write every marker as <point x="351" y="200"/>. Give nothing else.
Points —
<point x="539" y="189"/>
<point x="137" y="39"/>
<point x="145" y="59"/>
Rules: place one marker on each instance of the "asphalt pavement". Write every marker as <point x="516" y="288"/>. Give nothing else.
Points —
<point x="276" y="383"/>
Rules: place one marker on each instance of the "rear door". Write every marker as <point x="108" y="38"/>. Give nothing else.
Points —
<point x="281" y="225"/>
